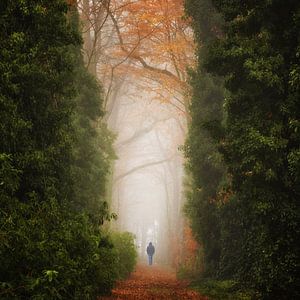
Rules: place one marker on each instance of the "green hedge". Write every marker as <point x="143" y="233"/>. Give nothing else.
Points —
<point x="48" y="253"/>
<point x="126" y="253"/>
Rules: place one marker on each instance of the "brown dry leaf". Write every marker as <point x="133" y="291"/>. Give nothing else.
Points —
<point x="153" y="282"/>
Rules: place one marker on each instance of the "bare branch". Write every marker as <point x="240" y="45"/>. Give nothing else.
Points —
<point x="140" y="167"/>
<point x="133" y="55"/>
<point x="140" y="133"/>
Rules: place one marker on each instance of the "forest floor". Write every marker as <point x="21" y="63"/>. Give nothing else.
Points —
<point x="153" y="282"/>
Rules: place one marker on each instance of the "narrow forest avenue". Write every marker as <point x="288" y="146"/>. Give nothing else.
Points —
<point x="125" y="123"/>
<point x="153" y="282"/>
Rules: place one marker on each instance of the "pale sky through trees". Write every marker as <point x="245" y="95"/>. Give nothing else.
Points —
<point x="140" y="198"/>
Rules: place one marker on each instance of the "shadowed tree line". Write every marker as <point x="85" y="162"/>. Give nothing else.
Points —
<point x="243" y="144"/>
<point x="55" y="153"/>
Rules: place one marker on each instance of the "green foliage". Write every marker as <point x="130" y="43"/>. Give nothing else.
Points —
<point x="126" y="253"/>
<point x="93" y="149"/>
<point x="222" y="290"/>
<point x="48" y="252"/>
<point x="37" y="90"/>
<point x="256" y="51"/>
<point x="55" y="153"/>
<point x="205" y="133"/>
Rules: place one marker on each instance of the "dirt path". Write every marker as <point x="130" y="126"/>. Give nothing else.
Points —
<point x="153" y="282"/>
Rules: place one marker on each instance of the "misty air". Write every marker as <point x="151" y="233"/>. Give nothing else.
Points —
<point x="149" y="149"/>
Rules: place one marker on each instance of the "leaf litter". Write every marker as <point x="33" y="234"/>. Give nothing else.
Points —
<point x="153" y="282"/>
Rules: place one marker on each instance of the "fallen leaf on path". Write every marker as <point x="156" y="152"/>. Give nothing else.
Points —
<point x="153" y="282"/>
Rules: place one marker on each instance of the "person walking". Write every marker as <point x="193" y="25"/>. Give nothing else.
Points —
<point x="150" y="252"/>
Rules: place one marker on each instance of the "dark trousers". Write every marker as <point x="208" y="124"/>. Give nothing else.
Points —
<point x="150" y="259"/>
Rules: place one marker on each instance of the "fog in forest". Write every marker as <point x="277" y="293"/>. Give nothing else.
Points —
<point x="147" y="178"/>
<point x="125" y="122"/>
<point x="141" y="55"/>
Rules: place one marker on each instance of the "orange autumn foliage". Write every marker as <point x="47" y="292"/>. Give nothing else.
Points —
<point x="190" y="244"/>
<point x="190" y="257"/>
<point x="184" y="252"/>
<point x="149" y="41"/>
<point x="153" y="43"/>
<point x="72" y="2"/>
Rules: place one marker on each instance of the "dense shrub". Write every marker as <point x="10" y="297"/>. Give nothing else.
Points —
<point x="50" y="253"/>
<point x="126" y="253"/>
